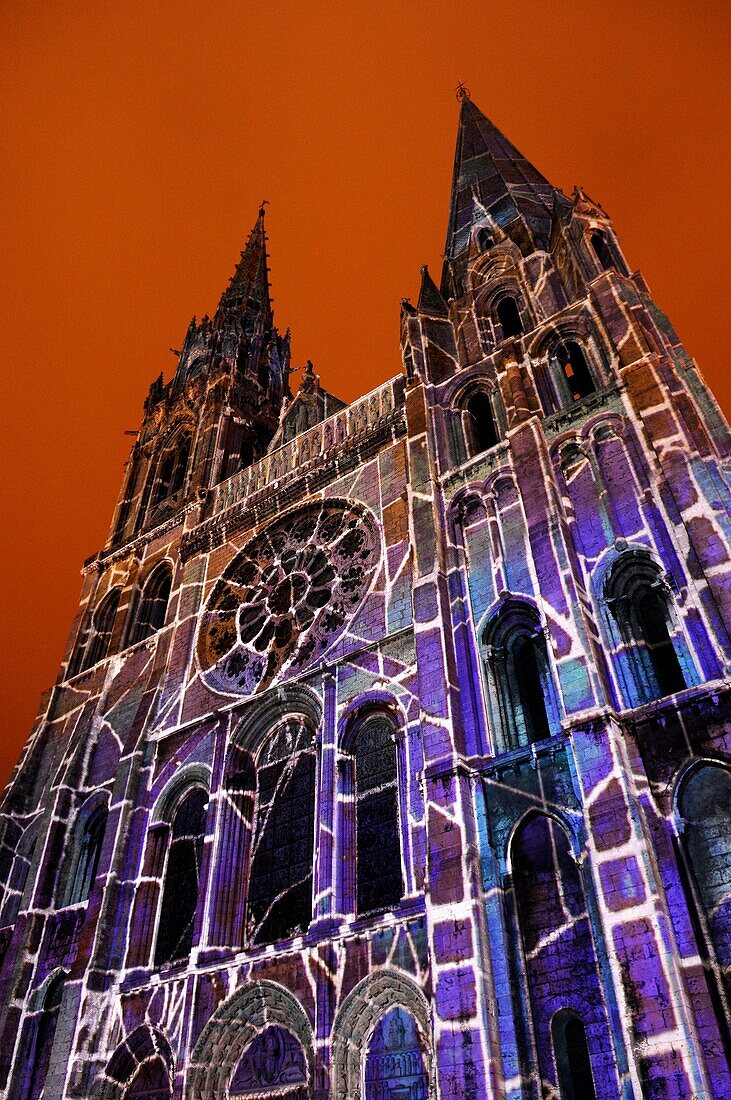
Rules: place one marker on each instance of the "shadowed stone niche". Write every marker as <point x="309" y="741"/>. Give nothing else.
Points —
<point x="287" y="596"/>
<point x="257" y="1043"/>
<point x="382" y="1041"/>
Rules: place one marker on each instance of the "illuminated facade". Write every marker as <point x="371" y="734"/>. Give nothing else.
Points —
<point x="389" y="757"/>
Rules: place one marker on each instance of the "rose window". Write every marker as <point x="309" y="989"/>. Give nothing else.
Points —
<point x="287" y="595"/>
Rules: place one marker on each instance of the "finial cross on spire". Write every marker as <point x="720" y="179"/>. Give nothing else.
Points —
<point x="262" y="204"/>
<point x="462" y="91"/>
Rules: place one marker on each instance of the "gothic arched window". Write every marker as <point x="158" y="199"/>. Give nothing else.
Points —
<point x="479" y="423"/>
<point x="485" y="240"/>
<point x="571" y="1051"/>
<point x="509" y="316"/>
<point x="172" y="469"/>
<point x="379" y="883"/>
<point x="705" y="807"/>
<point x="639" y="600"/>
<point x="519" y="674"/>
<point x="103" y="620"/>
<point x="602" y="250"/>
<point x="282" y="850"/>
<point x="87" y="856"/>
<point x="153" y="603"/>
<point x="574" y="370"/>
<point x="182" y="878"/>
<point x="41" y="1042"/>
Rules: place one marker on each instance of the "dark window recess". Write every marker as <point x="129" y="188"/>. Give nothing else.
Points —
<point x="173" y="470"/>
<point x="481" y="424"/>
<point x="509" y="317"/>
<point x="87" y="860"/>
<point x="280" y="884"/>
<point x="602" y="251"/>
<point x="530" y="686"/>
<point x="575" y="1079"/>
<point x="485" y="240"/>
<point x="182" y="878"/>
<point x="153" y="605"/>
<point x="573" y="363"/>
<point x="378" y="844"/>
<point x="104" y="618"/>
<point x="41" y="1044"/>
<point x="652" y="620"/>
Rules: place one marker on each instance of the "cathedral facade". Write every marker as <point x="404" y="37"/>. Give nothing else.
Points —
<point x="389" y="756"/>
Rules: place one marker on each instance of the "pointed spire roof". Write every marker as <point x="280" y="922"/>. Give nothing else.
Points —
<point x="430" y="300"/>
<point x="490" y="177"/>
<point x="249" y="285"/>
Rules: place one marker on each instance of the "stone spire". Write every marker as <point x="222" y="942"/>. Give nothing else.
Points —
<point x="248" y="290"/>
<point x="492" y="182"/>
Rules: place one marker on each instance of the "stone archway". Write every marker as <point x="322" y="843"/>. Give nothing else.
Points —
<point x="233" y="1026"/>
<point x="145" y="1051"/>
<point x="357" y="1018"/>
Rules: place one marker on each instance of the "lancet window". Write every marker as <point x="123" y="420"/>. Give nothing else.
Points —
<point x="378" y="847"/>
<point x="282" y="849"/>
<point x="574" y="370"/>
<point x="94" y="643"/>
<point x="479" y="424"/>
<point x="571" y="1052"/>
<point x="602" y="250"/>
<point x="519" y="677"/>
<point x="87" y="856"/>
<point x="172" y="469"/>
<point x="182" y="878"/>
<point x="509" y="317"/>
<point x="640" y="602"/>
<point x="41" y="1040"/>
<point x="152" y="605"/>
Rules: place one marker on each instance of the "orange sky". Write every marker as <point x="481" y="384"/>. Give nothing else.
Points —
<point x="139" y="138"/>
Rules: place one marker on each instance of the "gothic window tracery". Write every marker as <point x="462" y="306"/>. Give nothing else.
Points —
<point x="182" y="878"/>
<point x="152" y="605"/>
<point x="287" y="596"/>
<point x="87" y="857"/>
<point x="282" y="847"/>
<point x="639" y="601"/>
<point x="378" y="844"/>
<point x="172" y="469"/>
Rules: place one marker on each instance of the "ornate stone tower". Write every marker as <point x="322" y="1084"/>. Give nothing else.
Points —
<point x="390" y="754"/>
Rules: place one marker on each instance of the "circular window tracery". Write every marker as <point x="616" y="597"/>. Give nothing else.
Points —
<point x="287" y="595"/>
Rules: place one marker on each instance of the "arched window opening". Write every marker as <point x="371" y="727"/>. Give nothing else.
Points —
<point x="395" y="1061"/>
<point x="378" y="843"/>
<point x="87" y="859"/>
<point x="273" y="1064"/>
<point x="182" y="879"/>
<point x="485" y="240"/>
<point x="575" y="368"/>
<point x="480" y="427"/>
<point x="41" y="1044"/>
<point x="280" y="883"/>
<point x="103" y="625"/>
<point x="705" y="807"/>
<point x="571" y="1051"/>
<point x="151" y="1082"/>
<point x="530" y="686"/>
<point x="639" y="601"/>
<point x="509" y="316"/>
<point x="153" y="604"/>
<point x="602" y="250"/>
<point x="519" y="674"/>
<point x="173" y="468"/>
